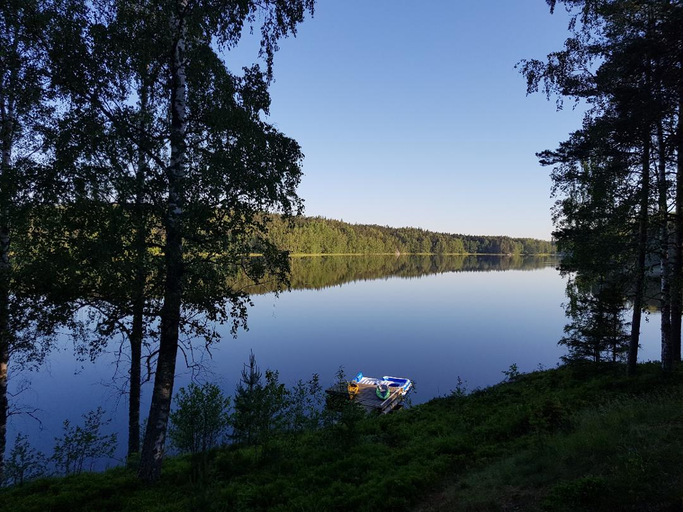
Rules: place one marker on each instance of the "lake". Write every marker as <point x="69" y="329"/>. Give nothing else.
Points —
<point x="430" y="318"/>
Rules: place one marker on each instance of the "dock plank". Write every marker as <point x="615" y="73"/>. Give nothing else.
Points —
<point x="367" y="397"/>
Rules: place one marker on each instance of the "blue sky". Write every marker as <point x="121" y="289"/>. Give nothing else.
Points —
<point x="410" y="113"/>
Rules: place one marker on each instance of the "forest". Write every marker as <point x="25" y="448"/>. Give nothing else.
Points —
<point x="317" y="235"/>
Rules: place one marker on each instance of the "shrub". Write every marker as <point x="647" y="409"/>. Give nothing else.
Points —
<point x="584" y="493"/>
<point x="200" y="418"/>
<point x="549" y="416"/>
<point x="82" y="446"/>
<point x="248" y="397"/>
<point x="260" y="409"/>
<point x="342" y="414"/>
<point x="512" y="373"/>
<point x="24" y="463"/>
<point x="306" y="405"/>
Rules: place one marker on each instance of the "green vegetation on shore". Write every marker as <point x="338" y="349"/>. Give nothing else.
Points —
<point x="580" y="437"/>
<point x="317" y="235"/>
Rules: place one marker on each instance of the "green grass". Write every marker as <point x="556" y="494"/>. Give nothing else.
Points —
<point x="573" y="438"/>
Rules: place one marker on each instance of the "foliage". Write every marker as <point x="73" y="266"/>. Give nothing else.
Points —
<point x="613" y="177"/>
<point x="24" y="463"/>
<point x="512" y="372"/>
<point x="248" y="404"/>
<point x="318" y="235"/>
<point x="161" y="135"/>
<point x="200" y="418"/>
<point x="276" y="401"/>
<point x="460" y="390"/>
<point x="27" y="320"/>
<point x="81" y="446"/>
<point x="260" y="409"/>
<point x="306" y="405"/>
<point x="597" y="328"/>
<point x="601" y="431"/>
<point x="580" y="493"/>
<point x="342" y="416"/>
<point x="593" y="229"/>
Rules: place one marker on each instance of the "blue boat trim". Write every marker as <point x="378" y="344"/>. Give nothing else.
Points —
<point x="381" y="395"/>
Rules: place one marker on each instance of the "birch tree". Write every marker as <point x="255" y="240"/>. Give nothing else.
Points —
<point x="217" y="175"/>
<point x="217" y="164"/>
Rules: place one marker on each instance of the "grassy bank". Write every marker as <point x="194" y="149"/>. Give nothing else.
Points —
<point x="573" y="438"/>
<point x="507" y="255"/>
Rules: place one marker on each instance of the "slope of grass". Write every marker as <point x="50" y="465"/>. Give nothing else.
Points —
<point x="573" y="438"/>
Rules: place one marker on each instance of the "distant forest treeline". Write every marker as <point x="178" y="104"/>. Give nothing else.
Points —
<point x="317" y="235"/>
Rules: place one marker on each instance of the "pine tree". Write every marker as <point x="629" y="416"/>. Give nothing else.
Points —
<point x="248" y="404"/>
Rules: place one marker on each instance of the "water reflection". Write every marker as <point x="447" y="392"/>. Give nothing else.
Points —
<point x="433" y="319"/>
<point x="325" y="271"/>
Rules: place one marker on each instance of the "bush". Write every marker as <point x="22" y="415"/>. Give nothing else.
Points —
<point x="200" y="418"/>
<point x="583" y="493"/>
<point x="343" y="415"/>
<point x="548" y="416"/>
<point x="248" y="397"/>
<point x="306" y="405"/>
<point x="24" y="463"/>
<point x="80" y="446"/>
<point x="260" y="409"/>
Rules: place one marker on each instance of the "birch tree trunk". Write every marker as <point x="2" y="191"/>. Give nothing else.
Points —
<point x="155" y="435"/>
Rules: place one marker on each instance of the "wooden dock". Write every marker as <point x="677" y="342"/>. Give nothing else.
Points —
<point x="368" y="399"/>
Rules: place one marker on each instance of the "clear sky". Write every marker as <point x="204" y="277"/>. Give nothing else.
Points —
<point x="410" y="113"/>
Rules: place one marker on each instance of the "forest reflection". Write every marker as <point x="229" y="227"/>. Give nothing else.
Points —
<point x="318" y="272"/>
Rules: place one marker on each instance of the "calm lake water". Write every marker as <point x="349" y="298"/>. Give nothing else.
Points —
<point x="432" y="319"/>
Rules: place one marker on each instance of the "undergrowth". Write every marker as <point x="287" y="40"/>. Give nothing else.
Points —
<point x="573" y="438"/>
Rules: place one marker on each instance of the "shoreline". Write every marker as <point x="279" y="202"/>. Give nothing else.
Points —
<point x="579" y="436"/>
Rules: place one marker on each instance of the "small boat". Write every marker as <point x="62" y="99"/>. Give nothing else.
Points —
<point x="374" y="394"/>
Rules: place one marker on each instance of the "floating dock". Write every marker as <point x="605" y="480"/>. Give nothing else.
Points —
<point x="363" y="391"/>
